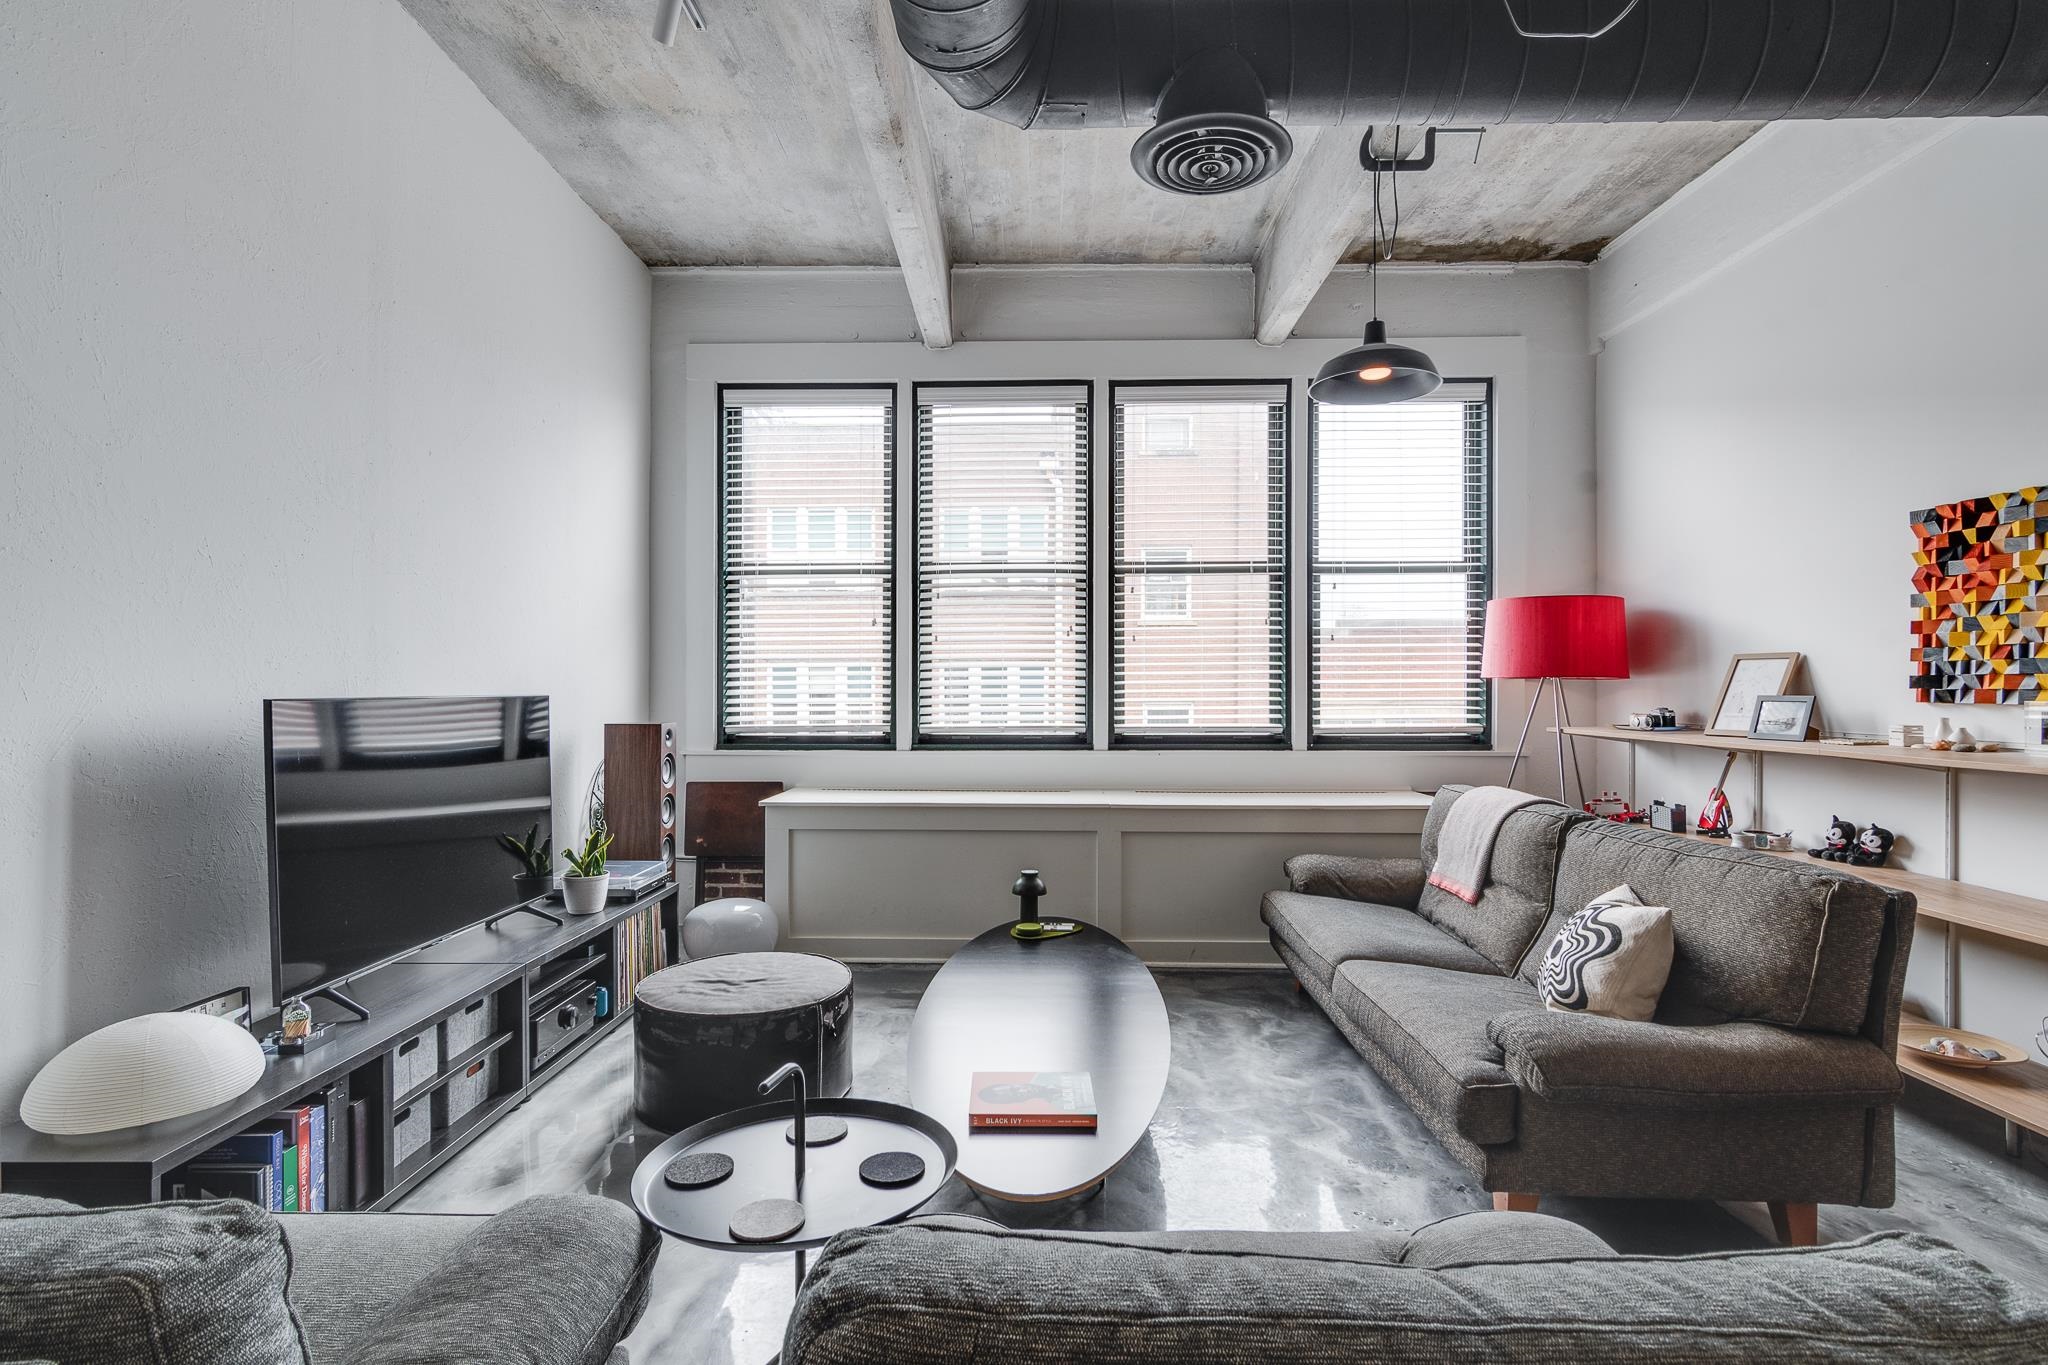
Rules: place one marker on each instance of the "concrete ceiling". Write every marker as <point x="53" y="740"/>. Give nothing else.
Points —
<point x="797" y="134"/>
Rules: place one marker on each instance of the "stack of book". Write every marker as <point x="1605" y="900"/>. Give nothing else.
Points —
<point x="305" y="1158"/>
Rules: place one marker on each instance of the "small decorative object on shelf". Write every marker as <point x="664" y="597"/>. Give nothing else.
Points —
<point x="1942" y="741"/>
<point x="1837" y="843"/>
<point x="1761" y="840"/>
<point x="1611" y="806"/>
<point x="536" y="859"/>
<point x="295" y="1027"/>
<point x="1667" y="816"/>
<point x="1873" y="847"/>
<point x="1663" y="718"/>
<point x="1958" y="1047"/>
<point x="1965" y="742"/>
<point x="586" y="883"/>
<point x="1907" y="736"/>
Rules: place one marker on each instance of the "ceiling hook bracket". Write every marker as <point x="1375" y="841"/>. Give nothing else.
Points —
<point x="1419" y="161"/>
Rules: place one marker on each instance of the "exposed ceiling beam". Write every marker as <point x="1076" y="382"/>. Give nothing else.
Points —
<point x="1320" y="213"/>
<point x="890" y="126"/>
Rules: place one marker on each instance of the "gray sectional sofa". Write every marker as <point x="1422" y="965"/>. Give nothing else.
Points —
<point x="553" y="1280"/>
<point x="1484" y="1287"/>
<point x="1768" y="1074"/>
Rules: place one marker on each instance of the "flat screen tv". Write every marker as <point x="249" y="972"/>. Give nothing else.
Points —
<point x="384" y="814"/>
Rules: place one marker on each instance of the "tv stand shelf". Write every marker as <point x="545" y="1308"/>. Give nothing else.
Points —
<point x="406" y="998"/>
<point x="2021" y="1099"/>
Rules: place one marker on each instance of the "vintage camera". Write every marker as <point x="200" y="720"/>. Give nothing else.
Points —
<point x="1668" y="817"/>
<point x="1663" y="718"/>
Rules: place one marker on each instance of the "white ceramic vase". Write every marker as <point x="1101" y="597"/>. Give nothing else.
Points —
<point x="737" y="924"/>
<point x="585" y="895"/>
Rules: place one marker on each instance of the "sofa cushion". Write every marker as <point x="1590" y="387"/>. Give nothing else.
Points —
<point x="1325" y="933"/>
<point x="1587" y="1059"/>
<point x="171" y="1284"/>
<point x="557" y="1279"/>
<point x="1432" y="1024"/>
<point x="349" y="1269"/>
<point x="1384" y="881"/>
<point x="923" y="1294"/>
<point x="1485" y="1237"/>
<point x="1516" y="898"/>
<point x="1755" y="937"/>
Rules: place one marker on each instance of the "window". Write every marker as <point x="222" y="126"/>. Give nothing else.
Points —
<point x="1002" y="564"/>
<point x="807" y="580"/>
<point x="1200" y="655"/>
<point x="1400" y="564"/>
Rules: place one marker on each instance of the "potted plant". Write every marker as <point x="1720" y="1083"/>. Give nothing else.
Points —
<point x="536" y="858"/>
<point x="586" y="883"/>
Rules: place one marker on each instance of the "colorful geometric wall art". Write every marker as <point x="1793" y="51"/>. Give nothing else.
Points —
<point x="1980" y="614"/>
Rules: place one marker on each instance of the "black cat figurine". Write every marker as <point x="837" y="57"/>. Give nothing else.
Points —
<point x="1840" y="842"/>
<point x="1872" y="848"/>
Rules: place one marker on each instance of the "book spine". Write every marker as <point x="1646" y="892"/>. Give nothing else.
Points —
<point x="1031" y="1121"/>
<point x="318" y="1147"/>
<point x="335" y="1097"/>
<point x="359" y="1152"/>
<point x="302" y="1128"/>
<point x="288" y="1196"/>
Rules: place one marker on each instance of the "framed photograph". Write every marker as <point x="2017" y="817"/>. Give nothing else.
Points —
<point x="1750" y="677"/>
<point x="1782" y="718"/>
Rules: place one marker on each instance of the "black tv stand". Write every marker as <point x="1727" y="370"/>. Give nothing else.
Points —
<point x="492" y="922"/>
<point x="334" y="993"/>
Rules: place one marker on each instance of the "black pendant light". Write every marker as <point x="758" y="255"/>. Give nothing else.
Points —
<point x="1377" y="371"/>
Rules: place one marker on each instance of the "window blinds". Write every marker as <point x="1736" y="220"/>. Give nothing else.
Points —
<point x="1400" y="562"/>
<point x="1002" y="564"/>
<point x="807" y="580"/>
<point x="1200" y="586"/>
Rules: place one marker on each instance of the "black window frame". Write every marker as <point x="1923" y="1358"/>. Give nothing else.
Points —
<point x="919" y="738"/>
<point x="1479" y="492"/>
<point x="891" y="440"/>
<point x="1283" y="737"/>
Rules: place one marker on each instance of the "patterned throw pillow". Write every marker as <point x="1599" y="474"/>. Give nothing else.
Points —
<point x="1611" y="958"/>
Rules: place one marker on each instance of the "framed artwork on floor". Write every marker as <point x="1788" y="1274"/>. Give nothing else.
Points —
<point x="1750" y="678"/>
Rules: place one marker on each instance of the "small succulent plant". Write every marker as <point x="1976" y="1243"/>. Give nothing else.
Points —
<point x="591" y="861"/>
<point x="536" y="855"/>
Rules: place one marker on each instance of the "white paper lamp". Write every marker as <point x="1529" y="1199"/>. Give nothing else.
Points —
<point x="142" y="1070"/>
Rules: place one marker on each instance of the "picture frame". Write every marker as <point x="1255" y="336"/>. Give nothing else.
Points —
<point x="1782" y="719"/>
<point x="1749" y="677"/>
<point x="232" y="1005"/>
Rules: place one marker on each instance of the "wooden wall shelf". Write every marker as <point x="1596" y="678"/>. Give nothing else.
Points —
<point x="2017" y="1094"/>
<point x="2004" y="761"/>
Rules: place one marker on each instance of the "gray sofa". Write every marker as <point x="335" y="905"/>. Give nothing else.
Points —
<point x="1768" y="1074"/>
<point x="554" y="1280"/>
<point x="1484" y="1287"/>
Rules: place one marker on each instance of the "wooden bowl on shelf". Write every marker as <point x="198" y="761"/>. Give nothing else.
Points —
<point x="1913" y="1038"/>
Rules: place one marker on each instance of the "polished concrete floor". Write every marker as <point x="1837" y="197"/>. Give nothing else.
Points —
<point x="1270" y="1121"/>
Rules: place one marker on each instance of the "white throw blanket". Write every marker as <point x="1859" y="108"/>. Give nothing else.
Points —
<point x="1464" y="850"/>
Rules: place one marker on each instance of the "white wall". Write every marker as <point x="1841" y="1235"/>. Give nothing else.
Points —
<point x="314" y="379"/>
<point x="1840" y="325"/>
<point x="1524" y="326"/>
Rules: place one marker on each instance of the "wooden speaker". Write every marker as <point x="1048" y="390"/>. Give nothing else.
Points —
<point x="640" y="790"/>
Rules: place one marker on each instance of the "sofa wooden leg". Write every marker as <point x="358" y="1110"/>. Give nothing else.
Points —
<point x="1510" y="1201"/>
<point x="1798" y="1225"/>
<point x="1297" y="985"/>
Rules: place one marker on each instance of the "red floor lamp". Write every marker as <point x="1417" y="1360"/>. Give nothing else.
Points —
<point x="1549" y="640"/>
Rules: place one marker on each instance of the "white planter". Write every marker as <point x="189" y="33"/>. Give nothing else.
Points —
<point x="585" y="895"/>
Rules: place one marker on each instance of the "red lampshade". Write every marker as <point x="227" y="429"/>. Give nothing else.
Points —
<point x="1584" y="636"/>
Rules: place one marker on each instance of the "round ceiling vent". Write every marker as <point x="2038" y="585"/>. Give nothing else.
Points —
<point x="1211" y="153"/>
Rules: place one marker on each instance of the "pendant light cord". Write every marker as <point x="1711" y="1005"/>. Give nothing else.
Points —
<point x="1384" y="241"/>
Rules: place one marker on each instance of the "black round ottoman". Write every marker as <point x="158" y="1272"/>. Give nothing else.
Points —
<point x="707" y="1033"/>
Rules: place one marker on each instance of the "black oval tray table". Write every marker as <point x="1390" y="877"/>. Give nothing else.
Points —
<point x="834" y="1196"/>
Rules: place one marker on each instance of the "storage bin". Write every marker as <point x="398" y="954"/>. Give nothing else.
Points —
<point x="466" y="1092"/>
<point x="411" y="1126"/>
<point x="414" y="1062"/>
<point x="467" y="1027"/>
